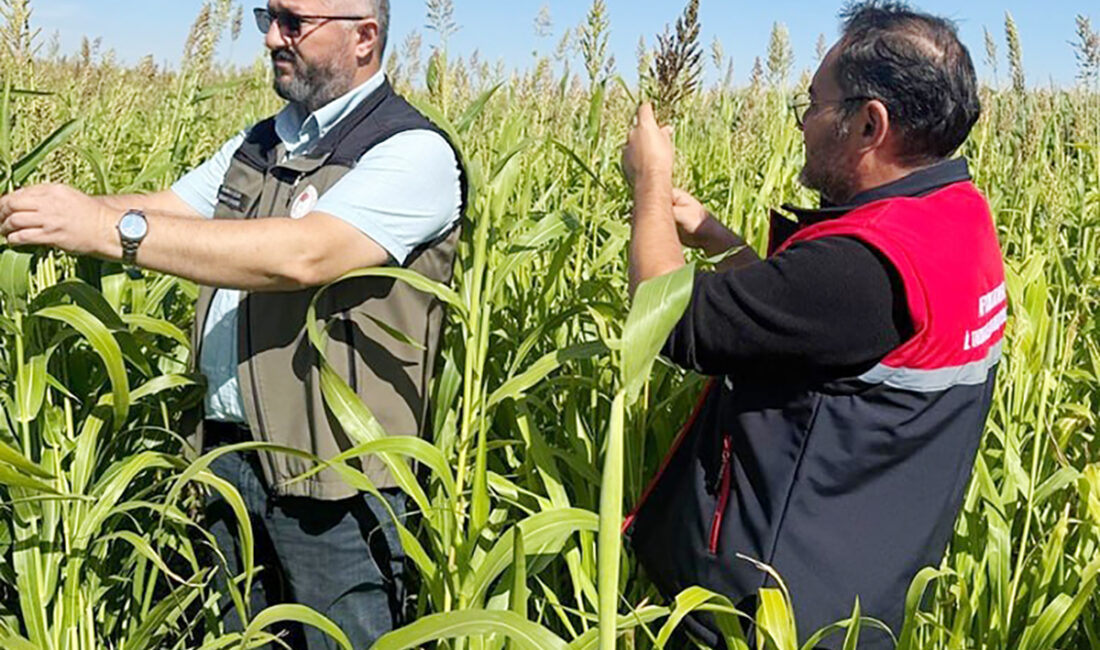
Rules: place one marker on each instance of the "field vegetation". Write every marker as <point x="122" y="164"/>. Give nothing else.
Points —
<point x="549" y="413"/>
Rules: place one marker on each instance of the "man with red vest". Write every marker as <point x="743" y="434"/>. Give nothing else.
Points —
<point x="854" y="366"/>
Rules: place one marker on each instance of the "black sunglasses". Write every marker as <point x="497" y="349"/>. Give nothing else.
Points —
<point x="290" y="23"/>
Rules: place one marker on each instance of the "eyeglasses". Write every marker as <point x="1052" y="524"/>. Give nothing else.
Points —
<point x="290" y="23"/>
<point x="801" y="104"/>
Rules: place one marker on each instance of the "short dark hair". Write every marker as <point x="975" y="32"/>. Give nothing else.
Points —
<point x="915" y="64"/>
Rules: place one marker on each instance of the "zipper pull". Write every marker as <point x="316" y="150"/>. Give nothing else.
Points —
<point x="725" y="457"/>
<point x="723" y="493"/>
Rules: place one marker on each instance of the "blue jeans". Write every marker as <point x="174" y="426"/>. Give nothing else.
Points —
<point x="340" y="558"/>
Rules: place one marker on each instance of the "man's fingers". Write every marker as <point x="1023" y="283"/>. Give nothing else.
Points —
<point x="19" y="221"/>
<point x="645" y="115"/>
<point x="28" y="237"/>
<point x="679" y="196"/>
<point x="18" y="201"/>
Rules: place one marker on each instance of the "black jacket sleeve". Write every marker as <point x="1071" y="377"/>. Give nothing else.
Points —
<point x="829" y="303"/>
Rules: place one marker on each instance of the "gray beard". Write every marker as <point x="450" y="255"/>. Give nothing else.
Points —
<point x="829" y="175"/>
<point x="829" y="179"/>
<point x="313" y="86"/>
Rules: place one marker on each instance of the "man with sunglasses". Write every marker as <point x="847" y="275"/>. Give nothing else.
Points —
<point x="347" y="176"/>
<point x="854" y="366"/>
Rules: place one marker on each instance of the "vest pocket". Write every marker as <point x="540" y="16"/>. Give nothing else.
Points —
<point x="725" y="472"/>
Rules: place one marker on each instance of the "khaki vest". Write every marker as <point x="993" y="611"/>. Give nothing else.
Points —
<point x="278" y="367"/>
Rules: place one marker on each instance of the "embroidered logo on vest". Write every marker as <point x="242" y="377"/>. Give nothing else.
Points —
<point x="305" y="203"/>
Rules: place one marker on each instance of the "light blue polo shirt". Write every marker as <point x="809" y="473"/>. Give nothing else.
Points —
<point x="402" y="193"/>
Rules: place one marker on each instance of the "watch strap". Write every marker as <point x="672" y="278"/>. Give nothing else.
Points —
<point x="129" y="250"/>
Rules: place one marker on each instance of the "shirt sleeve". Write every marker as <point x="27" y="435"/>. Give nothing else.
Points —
<point x="825" y="304"/>
<point x="402" y="193"/>
<point x="199" y="187"/>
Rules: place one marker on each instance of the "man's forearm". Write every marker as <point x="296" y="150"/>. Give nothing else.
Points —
<point x="655" y="246"/>
<point x="166" y="202"/>
<point x="255" y="255"/>
<point x="720" y="240"/>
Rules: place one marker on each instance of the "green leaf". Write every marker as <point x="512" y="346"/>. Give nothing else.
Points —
<point x="609" y="544"/>
<point x="11" y="478"/>
<point x="157" y="326"/>
<point x="595" y="112"/>
<point x="851" y="639"/>
<point x="95" y="161"/>
<point x="13" y="457"/>
<point x="518" y="596"/>
<point x="475" y="109"/>
<point x="430" y="111"/>
<point x="145" y="549"/>
<point x="26" y="165"/>
<point x="693" y="599"/>
<point x="83" y="295"/>
<point x="908" y="638"/>
<point x="12" y="641"/>
<point x="545" y="532"/>
<point x="520" y="384"/>
<point x="158" y="621"/>
<point x="105" y="345"/>
<point x="579" y="162"/>
<point x="31" y="386"/>
<point x="397" y="334"/>
<point x="775" y="620"/>
<point x="411" y="278"/>
<point x="5" y="135"/>
<point x="590" y="640"/>
<point x="15" y="275"/>
<point x="417" y="449"/>
<point x="658" y="305"/>
<point x="362" y="427"/>
<point x="164" y="383"/>
<point x="526" y="246"/>
<point x="297" y="614"/>
<point x="471" y="623"/>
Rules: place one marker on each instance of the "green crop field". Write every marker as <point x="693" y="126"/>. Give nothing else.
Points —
<point x="549" y="412"/>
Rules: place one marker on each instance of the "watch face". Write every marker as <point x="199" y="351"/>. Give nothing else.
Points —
<point x="133" y="226"/>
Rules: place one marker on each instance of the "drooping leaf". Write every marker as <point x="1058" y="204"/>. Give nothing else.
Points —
<point x="658" y="305"/>
<point x="471" y="623"/>
<point x="287" y="613"/>
<point x="104" y="344"/>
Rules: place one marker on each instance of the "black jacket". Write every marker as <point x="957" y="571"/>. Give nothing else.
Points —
<point x="829" y="445"/>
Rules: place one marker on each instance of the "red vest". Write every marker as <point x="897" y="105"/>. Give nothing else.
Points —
<point x="954" y="280"/>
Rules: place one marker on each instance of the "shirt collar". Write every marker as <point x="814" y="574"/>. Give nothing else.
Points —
<point x="299" y="131"/>
<point x="919" y="183"/>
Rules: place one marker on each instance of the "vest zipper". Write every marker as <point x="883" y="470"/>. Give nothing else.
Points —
<point x="723" y="493"/>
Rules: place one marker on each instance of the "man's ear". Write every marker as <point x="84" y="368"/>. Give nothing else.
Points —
<point x="366" y="34"/>
<point x="874" y="125"/>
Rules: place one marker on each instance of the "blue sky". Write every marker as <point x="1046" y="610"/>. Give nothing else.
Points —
<point x="505" y="30"/>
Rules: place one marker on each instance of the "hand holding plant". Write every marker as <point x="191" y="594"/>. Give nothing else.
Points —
<point x="649" y="151"/>
<point x="59" y="216"/>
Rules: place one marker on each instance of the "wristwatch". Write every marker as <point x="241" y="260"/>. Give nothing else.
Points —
<point x="132" y="229"/>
